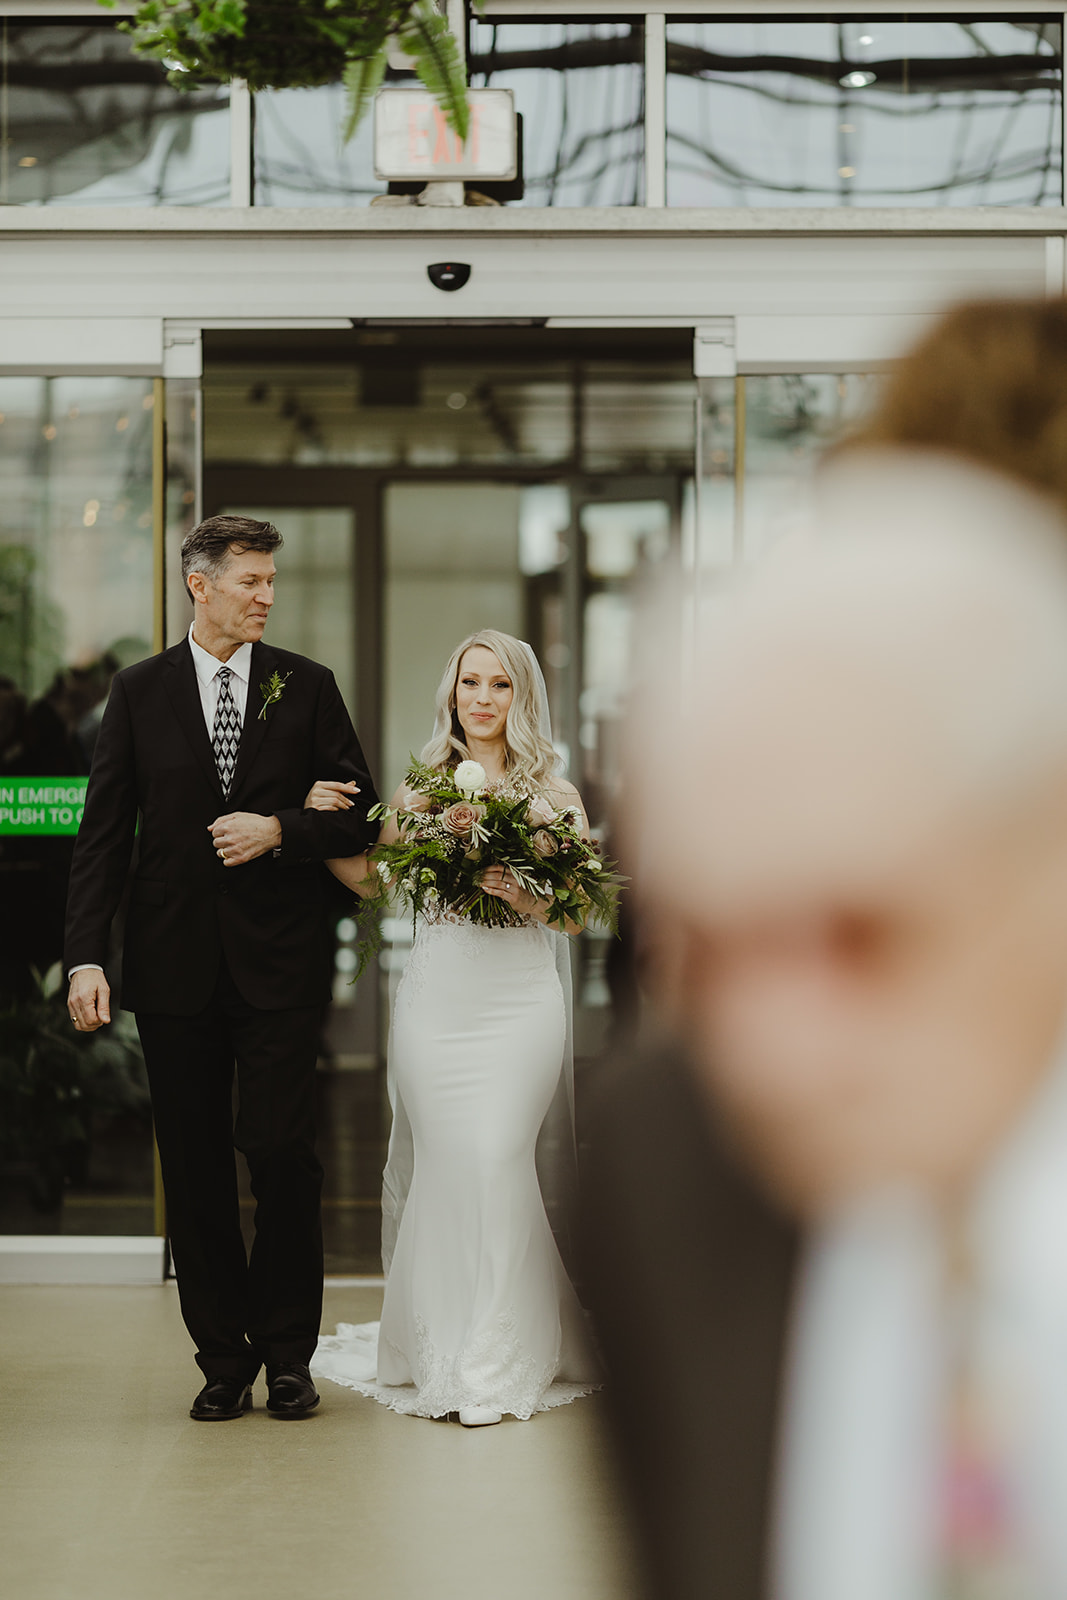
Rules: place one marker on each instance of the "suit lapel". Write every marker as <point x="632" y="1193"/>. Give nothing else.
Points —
<point x="254" y="728"/>
<point x="184" y="693"/>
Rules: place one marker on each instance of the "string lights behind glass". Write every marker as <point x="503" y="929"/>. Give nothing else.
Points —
<point x="879" y="113"/>
<point x="83" y="121"/>
<point x="579" y="88"/>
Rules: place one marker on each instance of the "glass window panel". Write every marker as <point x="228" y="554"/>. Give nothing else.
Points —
<point x="83" y="121"/>
<point x="300" y="159"/>
<point x="625" y="542"/>
<point x="620" y="534"/>
<point x="451" y="567"/>
<point x="315" y="586"/>
<point x="789" y="420"/>
<point x="637" y="419"/>
<point x="76" y="522"/>
<point x="398" y="414"/>
<point x="880" y="113"/>
<point x="544" y="517"/>
<point x="709" y="511"/>
<point x="634" y="418"/>
<point x="579" y="88"/>
<point x="75" y="606"/>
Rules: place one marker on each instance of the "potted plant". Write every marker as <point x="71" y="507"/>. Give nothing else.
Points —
<point x="292" y="44"/>
<point x="53" y="1084"/>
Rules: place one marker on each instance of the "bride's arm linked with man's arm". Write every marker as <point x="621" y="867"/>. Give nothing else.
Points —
<point x="357" y="873"/>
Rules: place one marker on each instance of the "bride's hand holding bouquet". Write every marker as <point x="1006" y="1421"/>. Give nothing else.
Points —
<point x="491" y="853"/>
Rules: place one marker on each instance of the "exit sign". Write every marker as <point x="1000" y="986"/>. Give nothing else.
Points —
<point x="41" y="805"/>
<point x="412" y="140"/>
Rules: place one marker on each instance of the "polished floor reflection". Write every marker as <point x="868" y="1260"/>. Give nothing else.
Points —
<point x="108" y="1490"/>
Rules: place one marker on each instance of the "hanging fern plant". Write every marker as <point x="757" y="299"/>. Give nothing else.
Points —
<point x="298" y="44"/>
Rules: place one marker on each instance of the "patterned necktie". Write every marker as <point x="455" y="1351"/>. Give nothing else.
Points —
<point x="227" y="735"/>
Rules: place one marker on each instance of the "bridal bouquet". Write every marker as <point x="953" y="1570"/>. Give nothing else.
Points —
<point x="455" y="824"/>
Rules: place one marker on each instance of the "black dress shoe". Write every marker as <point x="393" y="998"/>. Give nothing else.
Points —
<point x="222" y="1398"/>
<point x="290" y="1391"/>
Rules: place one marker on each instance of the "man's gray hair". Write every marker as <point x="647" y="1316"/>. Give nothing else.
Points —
<point x="209" y="546"/>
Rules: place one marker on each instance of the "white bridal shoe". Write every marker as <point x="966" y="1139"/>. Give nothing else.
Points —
<point x="478" y="1417"/>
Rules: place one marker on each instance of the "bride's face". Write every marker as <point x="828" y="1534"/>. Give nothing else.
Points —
<point x="483" y="694"/>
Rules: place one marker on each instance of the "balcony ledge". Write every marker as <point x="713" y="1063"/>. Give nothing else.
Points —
<point x="518" y="222"/>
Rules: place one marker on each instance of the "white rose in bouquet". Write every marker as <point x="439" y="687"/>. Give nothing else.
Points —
<point x="469" y="777"/>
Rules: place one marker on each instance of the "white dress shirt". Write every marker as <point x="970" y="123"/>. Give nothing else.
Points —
<point x="207" y="680"/>
<point x="207" y="671"/>
<point x="870" y="1361"/>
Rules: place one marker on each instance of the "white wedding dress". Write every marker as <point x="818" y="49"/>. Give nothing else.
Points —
<point x="478" y="1308"/>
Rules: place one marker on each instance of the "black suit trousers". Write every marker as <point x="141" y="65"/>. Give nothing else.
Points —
<point x="240" y="1311"/>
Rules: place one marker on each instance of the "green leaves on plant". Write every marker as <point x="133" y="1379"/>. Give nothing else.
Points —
<point x="228" y="16"/>
<point x="427" y="40"/>
<point x="293" y="44"/>
<point x="362" y="79"/>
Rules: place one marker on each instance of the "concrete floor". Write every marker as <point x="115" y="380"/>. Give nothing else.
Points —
<point x="108" y="1491"/>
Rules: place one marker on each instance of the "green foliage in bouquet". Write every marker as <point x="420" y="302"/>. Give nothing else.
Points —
<point x="458" y="825"/>
<point x="298" y="44"/>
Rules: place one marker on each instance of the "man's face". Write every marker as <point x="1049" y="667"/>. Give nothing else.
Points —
<point x="889" y="1034"/>
<point x="863" y="912"/>
<point x="868" y="953"/>
<point x="237" y="603"/>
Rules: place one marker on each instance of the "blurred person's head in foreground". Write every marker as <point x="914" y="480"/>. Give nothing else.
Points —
<point x="863" y="907"/>
<point x="987" y="383"/>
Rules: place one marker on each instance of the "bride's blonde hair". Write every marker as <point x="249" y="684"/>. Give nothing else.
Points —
<point x="528" y="752"/>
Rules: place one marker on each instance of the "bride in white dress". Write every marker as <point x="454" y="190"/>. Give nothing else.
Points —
<point x="479" y="1316"/>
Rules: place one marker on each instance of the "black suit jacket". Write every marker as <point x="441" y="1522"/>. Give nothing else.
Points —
<point x="690" y="1271"/>
<point x="269" y="918"/>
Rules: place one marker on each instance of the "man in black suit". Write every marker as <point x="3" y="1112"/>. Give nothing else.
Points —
<point x="227" y="955"/>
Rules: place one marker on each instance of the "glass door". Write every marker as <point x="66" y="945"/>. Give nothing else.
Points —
<point x="524" y="479"/>
<point x="81" y="528"/>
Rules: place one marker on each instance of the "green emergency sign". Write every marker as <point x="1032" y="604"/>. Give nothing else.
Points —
<point x="41" y="805"/>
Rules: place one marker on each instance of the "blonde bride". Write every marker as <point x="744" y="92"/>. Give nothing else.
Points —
<point x="480" y="1318"/>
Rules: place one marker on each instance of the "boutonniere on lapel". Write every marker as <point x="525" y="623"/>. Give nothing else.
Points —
<point x="272" y="691"/>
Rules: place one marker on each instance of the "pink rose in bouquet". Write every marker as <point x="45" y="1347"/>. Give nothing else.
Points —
<point x="539" y="810"/>
<point x="544" y="842"/>
<point x="459" y="819"/>
<point x="414" y="800"/>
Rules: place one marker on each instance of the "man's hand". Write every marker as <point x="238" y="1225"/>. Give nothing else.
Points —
<point x="242" y="836"/>
<point x="89" y="1000"/>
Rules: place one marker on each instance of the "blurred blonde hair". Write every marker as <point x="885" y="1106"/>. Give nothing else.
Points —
<point x="528" y="752"/>
<point x="989" y="383"/>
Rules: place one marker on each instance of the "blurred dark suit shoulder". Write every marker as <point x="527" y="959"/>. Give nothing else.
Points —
<point x="690" y="1272"/>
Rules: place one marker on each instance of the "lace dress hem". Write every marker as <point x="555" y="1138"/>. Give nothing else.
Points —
<point x="404" y="1398"/>
<point x="348" y="1358"/>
